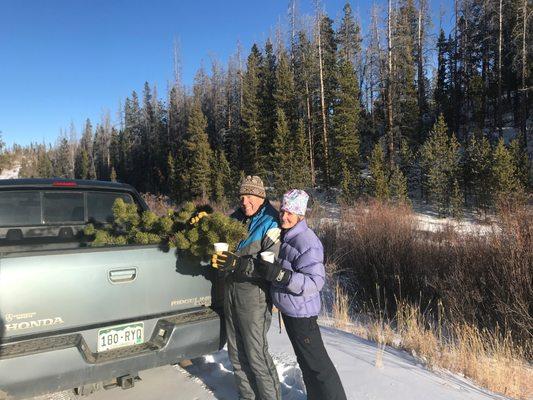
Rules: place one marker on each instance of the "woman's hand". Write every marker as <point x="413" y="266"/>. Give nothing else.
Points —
<point x="273" y="272"/>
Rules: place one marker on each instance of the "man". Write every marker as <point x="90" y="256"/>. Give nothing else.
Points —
<point x="297" y="278"/>
<point x="247" y="305"/>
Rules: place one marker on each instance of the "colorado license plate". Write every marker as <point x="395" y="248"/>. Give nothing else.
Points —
<point x="120" y="336"/>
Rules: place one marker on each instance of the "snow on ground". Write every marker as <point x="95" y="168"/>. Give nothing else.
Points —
<point x="11" y="173"/>
<point x="427" y="219"/>
<point x="400" y="377"/>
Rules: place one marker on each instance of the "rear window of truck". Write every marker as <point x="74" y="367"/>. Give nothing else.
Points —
<point x="34" y="216"/>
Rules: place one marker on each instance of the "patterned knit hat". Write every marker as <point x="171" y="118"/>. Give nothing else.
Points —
<point x="295" y="201"/>
<point x="252" y="185"/>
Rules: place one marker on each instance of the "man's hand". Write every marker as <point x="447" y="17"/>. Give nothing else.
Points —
<point x="225" y="261"/>
<point x="275" y="273"/>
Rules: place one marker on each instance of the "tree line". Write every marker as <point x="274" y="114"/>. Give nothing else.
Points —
<point x="323" y="105"/>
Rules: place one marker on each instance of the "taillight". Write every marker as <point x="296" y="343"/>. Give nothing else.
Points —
<point x="65" y="184"/>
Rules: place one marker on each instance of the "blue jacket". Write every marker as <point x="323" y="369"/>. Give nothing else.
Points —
<point x="301" y="252"/>
<point x="263" y="235"/>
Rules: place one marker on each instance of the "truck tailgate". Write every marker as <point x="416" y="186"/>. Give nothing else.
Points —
<point x="52" y="291"/>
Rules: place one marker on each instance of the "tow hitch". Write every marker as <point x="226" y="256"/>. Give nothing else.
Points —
<point x="126" y="381"/>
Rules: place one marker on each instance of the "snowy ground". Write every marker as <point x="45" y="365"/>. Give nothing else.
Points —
<point x="11" y="173"/>
<point x="426" y="217"/>
<point x="401" y="377"/>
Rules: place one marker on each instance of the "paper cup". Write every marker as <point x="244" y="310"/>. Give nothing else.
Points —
<point x="268" y="256"/>
<point x="220" y="247"/>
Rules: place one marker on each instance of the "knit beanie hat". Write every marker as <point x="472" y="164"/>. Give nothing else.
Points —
<point x="295" y="201"/>
<point x="252" y="185"/>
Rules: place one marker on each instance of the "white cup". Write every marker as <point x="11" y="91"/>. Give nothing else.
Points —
<point x="220" y="247"/>
<point x="268" y="256"/>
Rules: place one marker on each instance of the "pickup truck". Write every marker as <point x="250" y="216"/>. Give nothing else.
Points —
<point x="77" y="317"/>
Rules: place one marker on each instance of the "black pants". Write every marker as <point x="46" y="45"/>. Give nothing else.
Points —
<point x="320" y="376"/>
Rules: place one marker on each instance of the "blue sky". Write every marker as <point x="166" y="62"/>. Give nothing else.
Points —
<point x="64" y="61"/>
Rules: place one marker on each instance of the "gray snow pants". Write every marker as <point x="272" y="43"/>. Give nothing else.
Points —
<point x="248" y="314"/>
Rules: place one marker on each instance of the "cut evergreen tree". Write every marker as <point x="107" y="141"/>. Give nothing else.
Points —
<point x="192" y="230"/>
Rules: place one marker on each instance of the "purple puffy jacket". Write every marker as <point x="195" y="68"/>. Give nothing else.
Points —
<point x="301" y="252"/>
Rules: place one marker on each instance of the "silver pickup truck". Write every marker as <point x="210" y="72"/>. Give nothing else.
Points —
<point x="77" y="317"/>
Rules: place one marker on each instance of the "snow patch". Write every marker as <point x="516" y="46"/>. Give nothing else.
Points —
<point x="12" y="173"/>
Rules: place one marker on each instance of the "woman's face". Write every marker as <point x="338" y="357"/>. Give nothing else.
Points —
<point x="288" y="219"/>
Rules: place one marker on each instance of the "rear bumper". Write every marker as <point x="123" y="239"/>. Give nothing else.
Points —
<point x="46" y="365"/>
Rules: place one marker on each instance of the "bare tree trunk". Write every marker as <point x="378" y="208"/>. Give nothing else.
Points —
<point x="375" y="63"/>
<point x="177" y="62"/>
<point x="310" y="135"/>
<point x="499" y="99"/>
<point x="322" y="103"/>
<point x="420" y="64"/>
<point x="390" y="133"/>
<point x="455" y="78"/>
<point x="292" y="22"/>
<point x="524" y="89"/>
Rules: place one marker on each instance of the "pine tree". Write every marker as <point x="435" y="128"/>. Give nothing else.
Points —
<point x="346" y="130"/>
<point x="267" y="100"/>
<point x="456" y="201"/>
<point x="404" y="95"/>
<point x="304" y="70"/>
<point x="113" y="175"/>
<point x="327" y="63"/>
<point x="300" y="173"/>
<point x="250" y="115"/>
<point x="477" y="170"/>
<point x="44" y="167"/>
<point x="281" y="154"/>
<point x="221" y="178"/>
<point x="199" y="152"/>
<point x="62" y="166"/>
<point x="440" y="161"/>
<point x="506" y="185"/>
<point x="398" y="186"/>
<point x="518" y="151"/>
<point x="441" y="93"/>
<point x="379" y="185"/>
<point x="349" y="37"/>
<point x="83" y="157"/>
<point x="172" y="184"/>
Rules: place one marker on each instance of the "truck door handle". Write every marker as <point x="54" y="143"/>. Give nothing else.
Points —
<point x="122" y="275"/>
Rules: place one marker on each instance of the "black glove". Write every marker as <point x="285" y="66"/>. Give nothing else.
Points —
<point x="227" y="261"/>
<point x="273" y="272"/>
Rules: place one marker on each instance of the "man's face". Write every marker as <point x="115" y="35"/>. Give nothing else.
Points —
<point x="250" y="204"/>
<point x="288" y="219"/>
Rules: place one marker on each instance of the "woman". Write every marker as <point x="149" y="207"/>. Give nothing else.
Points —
<point x="297" y="277"/>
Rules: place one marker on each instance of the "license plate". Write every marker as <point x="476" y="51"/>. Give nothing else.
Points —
<point x="120" y="336"/>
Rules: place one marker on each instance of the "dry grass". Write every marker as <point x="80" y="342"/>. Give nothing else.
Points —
<point x="485" y="280"/>
<point x="340" y="308"/>
<point x="487" y="358"/>
<point x="461" y="302"/>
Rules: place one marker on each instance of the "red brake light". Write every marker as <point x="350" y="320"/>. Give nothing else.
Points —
<point x="65" y="184"/>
